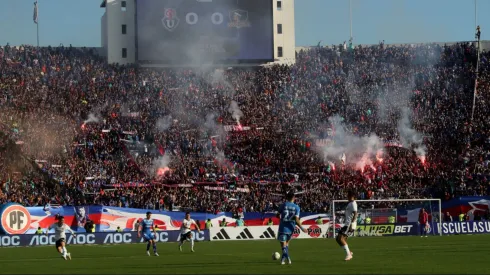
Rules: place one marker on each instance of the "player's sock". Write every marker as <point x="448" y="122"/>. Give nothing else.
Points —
<point x="64" y="251"/>
<point x="154" y="247"/>
<point x="192" y="244"/>
<point x="148" y="247"/>
<point x="346" y="248"/>
<point x="285" y="252"/>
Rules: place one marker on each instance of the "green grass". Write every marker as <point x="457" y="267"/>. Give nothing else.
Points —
<point x="401" y="255"/>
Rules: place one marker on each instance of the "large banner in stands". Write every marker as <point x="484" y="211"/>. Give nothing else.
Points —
<point x="16" y="219"/>
<point x="477" y="205"/>
<point x="96" y="238"/>
<point x="264" y="233"/>
<point x="468" y="227"/>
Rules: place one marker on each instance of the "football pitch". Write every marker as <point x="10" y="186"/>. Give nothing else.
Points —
<point x="467" y="254"/>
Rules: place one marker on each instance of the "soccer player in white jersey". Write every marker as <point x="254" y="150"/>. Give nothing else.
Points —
<point x="59" y="233"/>
<point x="350" y="223"/>
<point x="186" y="232"/>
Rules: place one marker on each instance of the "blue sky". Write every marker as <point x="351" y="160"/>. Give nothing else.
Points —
<point x="77" y="22"/>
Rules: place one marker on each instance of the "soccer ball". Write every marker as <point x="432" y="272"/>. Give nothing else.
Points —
<point x="276" y="256"/>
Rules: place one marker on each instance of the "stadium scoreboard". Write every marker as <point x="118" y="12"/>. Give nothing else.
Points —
<point x="202" y="31"/>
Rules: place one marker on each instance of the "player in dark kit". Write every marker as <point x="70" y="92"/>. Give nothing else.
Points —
<point x="423" y="222"/>
<point x="148" y="229"/>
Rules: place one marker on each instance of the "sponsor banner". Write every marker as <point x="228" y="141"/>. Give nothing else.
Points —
<point x="264" y="233"/>
<point x="17" y="219"/>
<point x="398" y="229"/>
<point x="467" y="227"/>
<point x="96" y="238"/>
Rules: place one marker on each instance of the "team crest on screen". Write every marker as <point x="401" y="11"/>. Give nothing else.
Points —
<point x="239" y="19"/>
<point x="170" y="21"/>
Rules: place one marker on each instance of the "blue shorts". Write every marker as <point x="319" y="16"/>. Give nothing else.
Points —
<point x="284" y="237"/>
<point x="149" y="236"/>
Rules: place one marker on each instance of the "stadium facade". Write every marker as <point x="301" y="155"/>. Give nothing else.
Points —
<point x="122" y="28"/>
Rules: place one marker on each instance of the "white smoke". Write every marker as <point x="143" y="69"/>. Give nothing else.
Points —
<point x="210" y="122"/>
<point x="161" y="165"/>
<point x="214" y="128"/>
<point x="235" y="111"/>
<point x="359" y="151"/>
<point x="217" y="77"/>
<point x="91" y="119"/>
<point x="409" y="137"/>
<point x="164" y="123"/>
<point x="221" y="158"/>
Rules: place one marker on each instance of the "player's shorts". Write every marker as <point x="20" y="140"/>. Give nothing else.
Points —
<point x="149" y="236"/>
<point x="346" y="232"/>
<point x="58" y="243"/>
<point x="284" y="237"/>
<point x="186" y="236"/>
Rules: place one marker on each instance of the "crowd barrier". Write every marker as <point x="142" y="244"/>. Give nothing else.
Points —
<point x="17" y="219"/>
<point x="247" y="233"/>
<point x="95" y="238"/>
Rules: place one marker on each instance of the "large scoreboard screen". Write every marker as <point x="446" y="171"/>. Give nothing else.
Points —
<point x="201" y="31"/>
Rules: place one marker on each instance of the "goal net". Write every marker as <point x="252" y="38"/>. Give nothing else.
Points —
<point x="391" y="217"/>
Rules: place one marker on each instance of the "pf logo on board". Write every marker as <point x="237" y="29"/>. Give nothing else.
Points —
<point x="15" y="219"/>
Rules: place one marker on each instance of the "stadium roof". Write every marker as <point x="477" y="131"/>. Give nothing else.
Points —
<point x="103" y="4"/>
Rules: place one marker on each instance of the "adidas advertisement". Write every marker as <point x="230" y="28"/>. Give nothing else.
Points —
<point x="263" y="233"/>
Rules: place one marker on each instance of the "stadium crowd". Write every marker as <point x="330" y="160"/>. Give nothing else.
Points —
<point x="75" y="130"/>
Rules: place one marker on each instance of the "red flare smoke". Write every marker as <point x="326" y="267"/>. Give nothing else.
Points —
<point x="162" y="170"/>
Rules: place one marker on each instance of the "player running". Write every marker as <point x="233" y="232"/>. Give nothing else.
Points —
<point x="289" y="218"/>
<point x="349" y="225"/>
<point x="186" y="232"/>
<point x="148" y="229"/>
<point x="59" y="234"/>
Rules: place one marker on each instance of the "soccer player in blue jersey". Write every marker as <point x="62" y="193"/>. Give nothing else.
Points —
<point x="289" y="218"/>
<point x="148" y="229"/>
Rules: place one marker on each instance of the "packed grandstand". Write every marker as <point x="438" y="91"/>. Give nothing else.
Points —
<point x="77" y="131"/>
